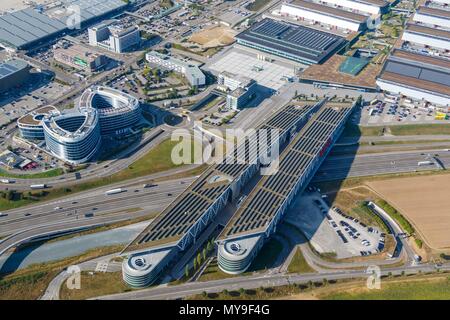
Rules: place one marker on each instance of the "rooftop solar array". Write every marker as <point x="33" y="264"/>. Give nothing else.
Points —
<point x="418" y="70"/>
<point x="190" y="206"/>
<point x="297" y="162"/>
<point x="309" y="44"/>
<point x="24" y="27"/>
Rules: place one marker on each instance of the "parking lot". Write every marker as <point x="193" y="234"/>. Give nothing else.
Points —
<point x="393" y="110"/>
<point x="332" y="231"/>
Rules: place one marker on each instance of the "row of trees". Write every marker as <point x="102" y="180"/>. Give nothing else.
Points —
<point x="200" y="258"/>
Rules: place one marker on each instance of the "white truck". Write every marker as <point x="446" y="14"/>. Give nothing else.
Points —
<point x="38" y="186"/>
<point x="114" y="191"/>
<point x="424" y="163"/>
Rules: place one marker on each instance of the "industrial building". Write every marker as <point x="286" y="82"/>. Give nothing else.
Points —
<point x="421" y="77"/>
<point x="27" y="28"/>
<point x="373" y="7"/>
<point x="432" y="17"/>
<point x="240" y="90"/>
<point x="182" y="222"/>
<point x="324" y="15"/>
<point x="257" y="217"/>
<point x="13" y="73"/>
<point x="80" y="58"/>
<point x="191" y="72"/>
<point x="114" y="37"/>
<point x="30" y="125"/>
<point x="75" y="135"/>
<point x="427" y="36"/>
<point x="291" y="41"/>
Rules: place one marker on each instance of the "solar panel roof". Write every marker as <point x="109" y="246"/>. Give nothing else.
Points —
<point x="309" y="44"/>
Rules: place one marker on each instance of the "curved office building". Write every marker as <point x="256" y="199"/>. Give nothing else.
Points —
<point x="30" y="125"/>
<point x="117" y="110"/>
<point x="141" y="269"/>
<point x="235" y="256"/>
<point x="73" y="137"/>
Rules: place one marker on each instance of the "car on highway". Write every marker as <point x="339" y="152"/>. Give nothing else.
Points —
<point x="3" y="214"/>
<point x="27" y="214"/>
<point x="57" y="208"/>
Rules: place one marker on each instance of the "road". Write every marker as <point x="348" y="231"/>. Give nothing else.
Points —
<point x="257" y="281"/>
<point x="341" y="167"/>
<point x="27" y="223"/>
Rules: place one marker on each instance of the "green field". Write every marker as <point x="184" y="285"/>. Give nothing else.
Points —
<point x="299" y="264"/>
<point x="46" y="174"/>
<point x="31" y="282"/>
<point x="352" y="130"/>
<point x="410" y="290"/>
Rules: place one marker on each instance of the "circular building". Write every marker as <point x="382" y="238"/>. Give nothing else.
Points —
<point x="117" y="110"/>
<point x="30" y="125"/>
<point x="73" y="137"/>
<point x="235" y="256"/>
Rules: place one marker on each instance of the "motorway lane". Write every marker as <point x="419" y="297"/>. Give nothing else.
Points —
<point x="341" y="167"/>
<point x="149" y="199"/>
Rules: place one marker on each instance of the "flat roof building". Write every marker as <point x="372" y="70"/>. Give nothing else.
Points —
<point x="192" y="73"/>
<point x="80" y="58"/>
<point x="373" y="7"/>
<point x="427" y="36"/>
<point x="24" y="29"/>
<point x="418" y="76"/>
<point x="240" y="89"/>
<point x="323" y="14"/>
<point x="114" y="37"/>
<point x="432" y="16"/>
<point x="291" y="41"/>
<point x="13" y="73"/>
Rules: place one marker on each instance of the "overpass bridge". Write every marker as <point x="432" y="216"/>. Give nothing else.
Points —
<point x="183" y="221"/>
<point x="257" y="218"/>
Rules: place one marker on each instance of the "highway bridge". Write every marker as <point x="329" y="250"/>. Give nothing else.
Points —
<point x="265" y="206"/>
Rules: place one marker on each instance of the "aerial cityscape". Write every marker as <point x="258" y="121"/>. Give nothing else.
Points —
<point x="222" y="150"/>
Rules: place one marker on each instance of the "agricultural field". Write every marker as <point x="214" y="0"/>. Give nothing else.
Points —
<point x="424" y="202"/>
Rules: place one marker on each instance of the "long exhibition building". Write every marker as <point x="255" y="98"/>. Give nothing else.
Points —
<point x="291" y="41"/>
<point x="165" y="240"/>
<point x="75" y="135"/>
<point x="421" y="77"/>
<point x="257" y="218"/>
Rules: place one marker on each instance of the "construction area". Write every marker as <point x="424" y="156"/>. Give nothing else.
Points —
<point x="214" y="37"/>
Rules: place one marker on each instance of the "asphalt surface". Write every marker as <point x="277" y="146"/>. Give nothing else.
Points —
<point x="56" y="216"/>
<point x="250" y="282"/>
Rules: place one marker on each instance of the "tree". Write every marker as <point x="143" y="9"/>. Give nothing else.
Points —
<point x="310" y="284"/>
<point x="204" y="294"/>
<point x="186" y="271"/>
<point x="199" y="259"/>
<point x="324" y="282"/>
<point x="195" y="264"/>
<point x="241" y="291"/>
<point x="204" y="254"/>
<point x="225" y="292"/>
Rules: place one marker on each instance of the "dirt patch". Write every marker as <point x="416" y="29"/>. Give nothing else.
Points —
<point x="214" y="37"/>
<point x="424" y="201"/>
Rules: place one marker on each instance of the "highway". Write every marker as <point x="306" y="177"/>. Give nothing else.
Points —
<point x="341" y="167"/>
<point x="69" y="213"/>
